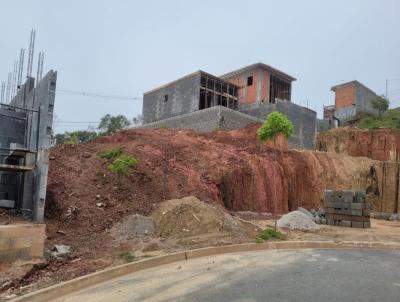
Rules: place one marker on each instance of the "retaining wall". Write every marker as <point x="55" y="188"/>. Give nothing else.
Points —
<point x="206" y="120"/>
<point x="303" y="119"/>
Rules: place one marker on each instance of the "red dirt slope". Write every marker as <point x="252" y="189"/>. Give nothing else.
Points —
<point x="379" y="144"/>
<point x="231" y="168"/>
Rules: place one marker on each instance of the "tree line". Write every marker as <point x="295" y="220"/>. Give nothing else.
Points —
<point x="108" y="125"/>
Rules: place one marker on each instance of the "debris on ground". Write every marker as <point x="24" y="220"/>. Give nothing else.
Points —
<point x="132" y="227"/>
<point x="297" y="220"/>
<point x="189" y="217"/>
<point x="60" y="250"/>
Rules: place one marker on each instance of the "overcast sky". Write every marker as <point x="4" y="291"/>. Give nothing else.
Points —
<point x="125" y="48"/>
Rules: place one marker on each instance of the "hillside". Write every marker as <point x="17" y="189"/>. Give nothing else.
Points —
<point x="390" y="120"/>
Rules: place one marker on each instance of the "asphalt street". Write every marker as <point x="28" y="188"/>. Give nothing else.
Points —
<point x="277" y="275"/>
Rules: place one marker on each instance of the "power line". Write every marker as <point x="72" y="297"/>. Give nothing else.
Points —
<point x="75" y="122"/>
<point x="98" y="95"/>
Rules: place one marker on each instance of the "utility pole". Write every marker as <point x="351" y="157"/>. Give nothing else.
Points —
<point x="386" y="94"/>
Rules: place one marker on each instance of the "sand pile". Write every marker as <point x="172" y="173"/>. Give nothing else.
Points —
<point x="188" y="217"/>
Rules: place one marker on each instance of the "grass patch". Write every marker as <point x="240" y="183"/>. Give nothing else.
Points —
<point x="268" y="234"/>
<point x="390" y="120"/>
<point x="128" y="256"/>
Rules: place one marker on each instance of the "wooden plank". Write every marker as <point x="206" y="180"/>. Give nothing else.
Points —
<point x="13" y="168"/>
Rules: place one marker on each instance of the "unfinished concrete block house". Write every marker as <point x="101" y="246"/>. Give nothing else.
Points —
<point x="351" y="98"/>
<point x="204" y="102"/>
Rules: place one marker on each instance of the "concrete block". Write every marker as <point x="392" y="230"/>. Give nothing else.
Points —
<point x="360" y="196"/>
<point x="338" y="197"/>
<point x="356" y="212"/>
<point x="345" y="223"/>
<point x="329" y="216"/>
<point x="346" y="205"/>
<point x="328" y="196"/>
<point x="357" y="224"/>
<point x="337" y="204"/>
<point x="348" y="196"/>
<point x="357" y="218"/>
<point x="330" y="221"/>
<point x="356" y="206"/>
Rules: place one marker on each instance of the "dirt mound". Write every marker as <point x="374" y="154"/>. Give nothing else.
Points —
<point x="297" y="220"/>
<point x="379" y="144"/>
<point x="188" y="216"/>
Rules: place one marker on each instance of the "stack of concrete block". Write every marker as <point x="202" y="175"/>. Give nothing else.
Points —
<point x="347" y="208"/>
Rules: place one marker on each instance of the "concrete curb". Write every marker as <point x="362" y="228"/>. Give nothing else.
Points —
<point x="68" y="287"/>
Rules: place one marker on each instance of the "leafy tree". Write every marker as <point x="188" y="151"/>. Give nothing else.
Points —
<point x="110" y="124"/>
<point x="276" y="123"/>
<point x="75" y="137"/>
<point x="381" y="104"/>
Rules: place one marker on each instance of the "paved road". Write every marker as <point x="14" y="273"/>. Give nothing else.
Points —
<point x="301" y="276"/>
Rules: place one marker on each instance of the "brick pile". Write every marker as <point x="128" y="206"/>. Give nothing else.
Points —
<point x="347" y="208"/>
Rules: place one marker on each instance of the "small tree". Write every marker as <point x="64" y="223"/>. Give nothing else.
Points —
<point x="380" y="104"/>
<point x="275" y="124"/>
<point x="110" y="124"/>
<point x="119" y="162"/>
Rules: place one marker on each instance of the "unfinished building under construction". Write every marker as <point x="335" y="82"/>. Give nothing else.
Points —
<point x="203" y="102"/>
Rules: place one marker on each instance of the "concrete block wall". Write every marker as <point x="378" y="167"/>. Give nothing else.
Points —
<point x="38" y="104"/>
<point x="303" y="119"/>
<point x="182" y="98"/>
<point x="207" y="120"/>
<point x="21" y="241"/>
<point x="364" y="97"/>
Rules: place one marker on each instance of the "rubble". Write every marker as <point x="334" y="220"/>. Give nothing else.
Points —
<point x="60" y="250"/>
<point x="297" y="220"/>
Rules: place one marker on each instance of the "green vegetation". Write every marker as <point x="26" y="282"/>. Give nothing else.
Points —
<point x="390" y="119"/>
<point x="75" y="137"/>
<point x="381" y="104"/>
<point x="275" y="124"/>
<point x="110" y="124"/>
<point x="128" y="256"/>
<point x="268" y="234"/>
<point x="113" y="153"/>
<point x="119" y="162"/>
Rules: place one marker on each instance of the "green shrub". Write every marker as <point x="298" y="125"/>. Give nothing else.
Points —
<point x="111" y="154"/>
<point x="128" y="256"/>
<point x="276" y="123"/>
<point x="268" y="234"/>
<point x="121" y="164"/>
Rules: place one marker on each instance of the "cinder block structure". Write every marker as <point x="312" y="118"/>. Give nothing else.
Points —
<point x="347" y="208"/>
<point x="25" y="138"/>
<point x="244" y="96"/>
<point x="351" y="98"/>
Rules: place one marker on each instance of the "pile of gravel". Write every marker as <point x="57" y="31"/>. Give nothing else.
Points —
<point x="297" y="220"/>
